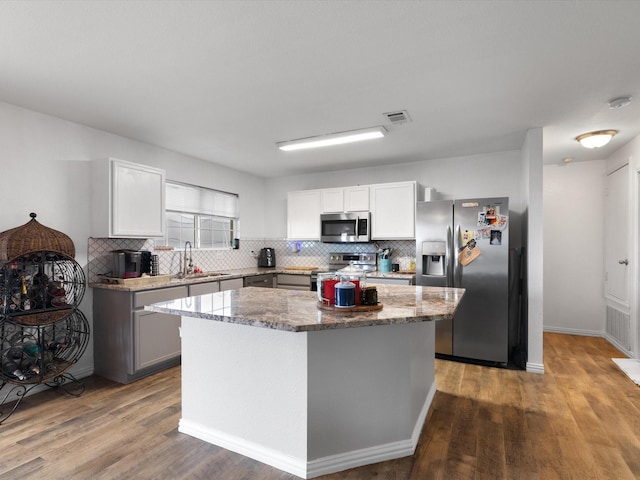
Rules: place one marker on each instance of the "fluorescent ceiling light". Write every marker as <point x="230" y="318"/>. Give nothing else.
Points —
<point x="596" y="139"/>
<point x="333" y="139"/>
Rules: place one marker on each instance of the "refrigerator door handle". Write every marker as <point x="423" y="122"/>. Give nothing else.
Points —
<point x="457" y="269"/>
<point x="449" y="258"/>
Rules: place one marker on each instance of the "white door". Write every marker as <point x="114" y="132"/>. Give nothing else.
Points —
<point x="616" y="235"/>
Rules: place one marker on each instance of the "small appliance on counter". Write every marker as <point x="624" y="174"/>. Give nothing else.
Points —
<point x="130" y="263"/>
<point x="267" y="258"/>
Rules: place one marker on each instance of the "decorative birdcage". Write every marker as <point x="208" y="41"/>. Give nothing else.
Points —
<point x="34" y="237"/>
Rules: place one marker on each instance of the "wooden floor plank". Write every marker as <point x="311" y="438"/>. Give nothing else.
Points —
<point x="581" y="420"/>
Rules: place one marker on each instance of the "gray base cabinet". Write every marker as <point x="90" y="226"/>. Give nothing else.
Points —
<point x="156" y="337"/>
<point x="288" y="281"/>
<point x="129" y="342"/>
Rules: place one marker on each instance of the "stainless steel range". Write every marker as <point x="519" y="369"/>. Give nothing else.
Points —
<point x="365" y="261"/>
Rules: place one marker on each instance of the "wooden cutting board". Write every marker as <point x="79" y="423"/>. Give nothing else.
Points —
<point x="301" y="268"/>
<point x="136" y="281"/>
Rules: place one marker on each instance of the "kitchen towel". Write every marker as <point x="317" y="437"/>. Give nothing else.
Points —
<point x="630" y="366"/>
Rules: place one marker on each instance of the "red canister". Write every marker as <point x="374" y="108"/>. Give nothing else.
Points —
<point x="330" y="291"/>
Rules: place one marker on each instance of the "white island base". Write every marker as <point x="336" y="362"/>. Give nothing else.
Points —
<point x="309" y="403"/>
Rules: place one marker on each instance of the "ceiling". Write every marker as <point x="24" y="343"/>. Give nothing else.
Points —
<point x="224" y="81"/>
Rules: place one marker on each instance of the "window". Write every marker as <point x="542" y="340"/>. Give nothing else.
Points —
<point x="205" y="217"/>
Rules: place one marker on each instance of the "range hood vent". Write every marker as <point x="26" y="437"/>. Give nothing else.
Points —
<point x="400" y="116"/>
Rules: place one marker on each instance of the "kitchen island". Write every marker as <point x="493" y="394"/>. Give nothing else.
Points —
<point x="268" y="374"/>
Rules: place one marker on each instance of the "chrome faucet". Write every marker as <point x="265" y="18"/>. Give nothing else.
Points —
<point x="187" y="266"/>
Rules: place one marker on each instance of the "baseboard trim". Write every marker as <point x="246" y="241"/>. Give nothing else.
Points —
<point x="590" y="333"/>
<point x="322" y="466"/>
<point x="358" y="458"/>
<point x="612" y="340"/>
<point x="287" y="463"/>
<point x="574" y="331"/>
<point x="378" y="453"/>
<point x="535" y="367"/>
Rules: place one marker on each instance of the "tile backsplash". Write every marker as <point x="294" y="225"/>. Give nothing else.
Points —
<point x="288" y="254"/>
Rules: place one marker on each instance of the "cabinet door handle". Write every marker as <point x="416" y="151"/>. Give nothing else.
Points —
<point x="623" y="262"/>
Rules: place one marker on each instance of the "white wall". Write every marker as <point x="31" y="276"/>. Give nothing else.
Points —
<point x="44" y="163"/>
<point x="490" y="175"/>
<point x="574" y="248"/>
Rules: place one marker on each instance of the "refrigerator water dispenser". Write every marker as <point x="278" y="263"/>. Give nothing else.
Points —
<point x="433" y="258"/>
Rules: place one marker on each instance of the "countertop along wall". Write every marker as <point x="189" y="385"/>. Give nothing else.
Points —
<point x="45" y="165"/>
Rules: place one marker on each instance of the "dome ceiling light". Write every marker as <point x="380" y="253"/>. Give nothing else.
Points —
<point x="596" y="139"/>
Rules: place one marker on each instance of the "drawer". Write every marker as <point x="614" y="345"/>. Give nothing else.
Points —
<point x="294" y="287"/>
<point x="140" y="299"/>
<point x="231" y="284"/>
<point x="265" y="281"/>
<point x="389" y="281"/>
<point x="204" y="288"/>
<point x="293" y="280"/>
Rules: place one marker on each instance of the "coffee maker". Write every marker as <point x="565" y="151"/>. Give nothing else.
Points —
<point x="130" y="263"/>
<point x="267" y="258"/>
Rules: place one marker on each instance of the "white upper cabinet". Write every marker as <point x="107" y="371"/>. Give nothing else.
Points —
<point x="332" y="200"/>
<point x="347" y="199"/>
<point x="393" y="210"/>
<point x="127" y="200"/>
<point x="356" y="199"/>
<point x="303" y="215"/>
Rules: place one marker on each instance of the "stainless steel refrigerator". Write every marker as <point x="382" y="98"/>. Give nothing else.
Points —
<point x="465" y="243"/>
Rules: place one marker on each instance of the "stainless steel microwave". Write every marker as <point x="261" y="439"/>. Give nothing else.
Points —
<point x="352" y="227"/>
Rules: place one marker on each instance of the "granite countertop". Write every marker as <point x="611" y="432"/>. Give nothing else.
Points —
<point x="164" y="282"/>
<point x="200" y="278"/>
<point x="297" y="311"/>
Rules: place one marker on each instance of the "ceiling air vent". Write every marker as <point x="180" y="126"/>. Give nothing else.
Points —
<point x="401" y="116"/>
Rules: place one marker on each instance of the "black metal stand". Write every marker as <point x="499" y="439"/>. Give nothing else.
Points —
<point x="42" y="333"/>
<point x="66" y="382"/>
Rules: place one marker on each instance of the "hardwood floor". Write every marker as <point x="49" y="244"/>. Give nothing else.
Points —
<point x="581" y="420"/>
